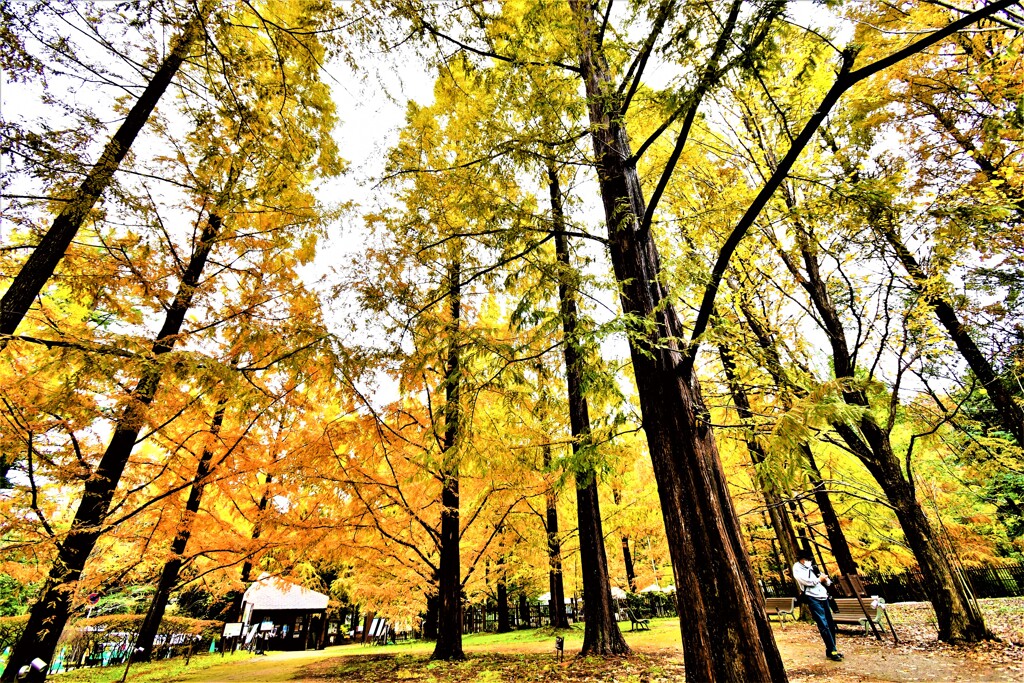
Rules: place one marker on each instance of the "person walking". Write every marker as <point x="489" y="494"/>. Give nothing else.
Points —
<point x="815" y="596"/>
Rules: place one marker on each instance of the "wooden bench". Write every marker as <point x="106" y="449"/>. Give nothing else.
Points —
<point x="851" y="612"/>
<point x="781" y="607"/>
<point x="636" y="623"/>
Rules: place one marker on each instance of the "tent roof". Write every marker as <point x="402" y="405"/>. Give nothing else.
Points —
<point x="271" y="592"/>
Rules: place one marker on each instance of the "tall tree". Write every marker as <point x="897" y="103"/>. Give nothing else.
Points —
<point x="601" y="633"/>
<point x="50" y="613"/>
<point x="50" y="250"/>
<point x="169" y="574"/>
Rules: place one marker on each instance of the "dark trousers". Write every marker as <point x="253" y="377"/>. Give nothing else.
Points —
<point x="822" y="616"/>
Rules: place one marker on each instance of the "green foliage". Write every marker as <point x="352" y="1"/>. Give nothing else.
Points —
<point x="14" y="596"/>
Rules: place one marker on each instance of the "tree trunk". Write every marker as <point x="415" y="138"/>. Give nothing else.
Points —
<point x="601" y="633"/>
<point x="43" y="260"/>
<point x="504" y="622"/>
<point x="773" y="365"/>
<point x="169" y="575"/>
<point x="627" y="557"/>
<point x="556" y="606"/>
<point x="235" y="612"/>
<point x="49" y="615"/>
<point x="725" y="631"/>
<point x="449" y="589"/>
<point x="836" y="538"/>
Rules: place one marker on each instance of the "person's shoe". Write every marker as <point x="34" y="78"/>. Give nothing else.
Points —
<point x="835" y="656"/>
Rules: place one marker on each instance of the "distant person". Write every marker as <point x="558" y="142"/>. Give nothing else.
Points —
<point x="815" y="596"/>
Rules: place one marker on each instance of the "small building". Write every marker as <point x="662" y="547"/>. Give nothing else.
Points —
<point x="281" y="615"/>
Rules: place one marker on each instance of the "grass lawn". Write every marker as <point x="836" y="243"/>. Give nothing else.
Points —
<point x="150" y="672"/>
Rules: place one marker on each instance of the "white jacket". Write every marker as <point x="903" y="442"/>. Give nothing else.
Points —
<point x="809" y="583"/>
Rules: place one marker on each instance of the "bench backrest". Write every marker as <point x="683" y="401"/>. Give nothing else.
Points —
<point x="787" y="604"/>
<point x="850" y="606"/>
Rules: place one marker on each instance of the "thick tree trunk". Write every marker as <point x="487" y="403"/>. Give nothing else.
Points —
<point x="725" y="631"/>
<point x="957" y="615"/>
<point x="49" y="615"/>
<point x="169" y="575"/>
<point x="601" y="633"/>
<point x="44" y="258"/>
<point x="449" y="588"/>
<point x="556" y="606"/>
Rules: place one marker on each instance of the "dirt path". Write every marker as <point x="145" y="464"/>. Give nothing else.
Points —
<point x="657" y="659"/>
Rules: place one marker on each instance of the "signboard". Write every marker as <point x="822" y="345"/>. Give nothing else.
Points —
<point x="233" y="629"/>
<point x="267" y="626"/>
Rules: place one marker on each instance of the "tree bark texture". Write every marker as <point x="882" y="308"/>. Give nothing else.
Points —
<point x="957" y="615"/>
<point x="601" y="635"/>
<point x="169" y="574"/>
<point x="49" y="615"/>
<point x="556" y="605"/>
<point x="43" y="260"/>
<point x="449" y="590"/>
<point x="725" y="631"/>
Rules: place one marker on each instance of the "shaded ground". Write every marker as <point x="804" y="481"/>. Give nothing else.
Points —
<point x="528" y="656"/>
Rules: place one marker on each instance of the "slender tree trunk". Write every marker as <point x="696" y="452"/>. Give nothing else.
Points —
<point x="777" y="516"/>
<point x="725" y="631"/>
<point x="235" y="612"/>
<point x="838" y="544"/>
<point x="627" y="557"/>
<point x="169" y="575"/>
<point x="601" y="633"/>
<point x="49" y="615"/>
<point x="836" y="538"/>
<point x="47" y="254"/>
<point x="556" y="606"/>
<point x="449" y="592"/>
<point x="504" y="622"/>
